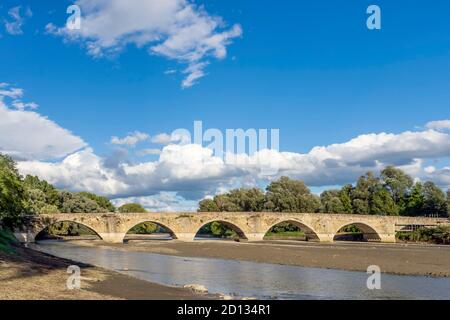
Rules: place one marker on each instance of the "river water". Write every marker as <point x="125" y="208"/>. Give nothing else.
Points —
<point x="249" y="279"/>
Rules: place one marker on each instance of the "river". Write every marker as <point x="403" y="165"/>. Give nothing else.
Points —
<point x="250" y="279"/>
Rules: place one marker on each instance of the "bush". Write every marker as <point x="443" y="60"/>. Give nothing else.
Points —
<point x="438" y="235"/>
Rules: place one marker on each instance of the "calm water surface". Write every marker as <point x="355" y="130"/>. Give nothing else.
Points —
<point x="249" y="279"/>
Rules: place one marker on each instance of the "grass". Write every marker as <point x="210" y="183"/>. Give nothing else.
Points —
<point x="6" y="240"/>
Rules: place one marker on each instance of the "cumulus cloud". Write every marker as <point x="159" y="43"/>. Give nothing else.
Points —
<point x="162" y="138"/>
<point x="161" y="202"/>
<point x="175" y="29"/>
<point x="146" y="152"/>
<point x="439" y="125"/>
<point x="131" y="139"/>
<point x="14" y="25"/>
<point x="28" y="135"/>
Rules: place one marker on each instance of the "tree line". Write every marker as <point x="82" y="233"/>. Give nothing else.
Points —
<point x="21" y="196"/>
<point x="392" y="193"/>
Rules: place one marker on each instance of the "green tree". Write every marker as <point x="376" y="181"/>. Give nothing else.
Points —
<point x="287" y="195"/>
<point x="12" y="194"/>
<point x="414" y="201"/>
<point x="448" y="203"/>
<point x="435" y="202"/>
<point x="132" y="208"/>
<point x="75" y="203"/>
<point x="331" y="202"/>
<point x="103" y="202"/>
<point x="208" y="205"/>
<point x="49" y="191"/>
<point x="397" y="182"/>
<point x="381" y="203"/>
<point x="345" y="198"/>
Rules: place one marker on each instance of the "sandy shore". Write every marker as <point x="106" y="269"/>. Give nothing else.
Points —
<point x="404" y="259"/>
<point x="31" y="275"/>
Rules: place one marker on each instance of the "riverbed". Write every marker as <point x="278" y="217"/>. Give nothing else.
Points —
<point x="241" y="279"/>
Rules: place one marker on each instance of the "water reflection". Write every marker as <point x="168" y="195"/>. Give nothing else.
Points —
<point x="248" y="279"/>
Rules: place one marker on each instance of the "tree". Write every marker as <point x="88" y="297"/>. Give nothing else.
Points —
<point x="50" y="192"/>
<point x="435" y="202"/>
<point x="236" y="200"/>
<point x="360" y="194"/>
<point x="75" y="203"/>
<point x="103" y="202"/>
<point x="331" y="202"/>
<point x="371" y="197"/>
<point x="413" y="204"/>
<point x="12" y="195"/>
<point x="344" y="196"/>
<point x="397" y="182"/>
<point x="381" y="203"/>
<point x="208" y="205"/>
<point x="287" y="195"/>
<point x="448" y="203"/>
<point x="132" y="208"/>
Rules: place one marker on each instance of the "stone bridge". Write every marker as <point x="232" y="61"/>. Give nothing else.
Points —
<point x="113" y="227"/>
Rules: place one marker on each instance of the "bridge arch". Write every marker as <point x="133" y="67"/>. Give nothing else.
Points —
<point x="310" y="233"/>
<point x="233" y="226"/>
<point x="45" y="226"/>
<point x="369" y="233"/>
<point x="162" y="225"/>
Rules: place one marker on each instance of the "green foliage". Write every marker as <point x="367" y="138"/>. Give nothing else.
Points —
<point x="414" y="201"/>
<point x="208" y="205"/>
<point x="147" y="228"/>
<point x="284" y="227"/>
<point x="12" y="194"/>
<point x="331" y="202"/>
<point x="435" y="201"/>
<point x="103" y="202"/>
<point x="218" y="230"/>
<point x="397" y="182"/>
<point x="7" y="239"/>
<point x="287" y="195"/>
<point x="438" y="235"/>
<point x="75" y="203"/>
<point x="393" y="193"/>
<point x="132" y="208"/>
<point x="69" y="229"/>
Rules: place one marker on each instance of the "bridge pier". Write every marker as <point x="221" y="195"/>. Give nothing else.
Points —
<point x="24" y="236"/>
<point x="112" y="237"/>
<point x="185" y="237"/>
<point x="325" y="237"/>
<point x="387" y="238"/>
<point x="255" y="236"/>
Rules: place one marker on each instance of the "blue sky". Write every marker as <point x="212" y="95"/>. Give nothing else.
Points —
<point x="310" y="68"/>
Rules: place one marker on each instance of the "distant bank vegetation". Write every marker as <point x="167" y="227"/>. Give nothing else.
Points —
<point x="392" y="193"/>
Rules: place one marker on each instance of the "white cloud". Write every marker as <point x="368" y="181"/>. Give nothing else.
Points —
<point x="439" y="125"/>
<point x="162" y="138"/>
<point x="174" y="29"/>
<point x="161" y="202"/>
<point x="146" y="152"/>
<point x="29" y="135"/>
<point x="14" y="25"/>
<point x="131" y="139"/>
